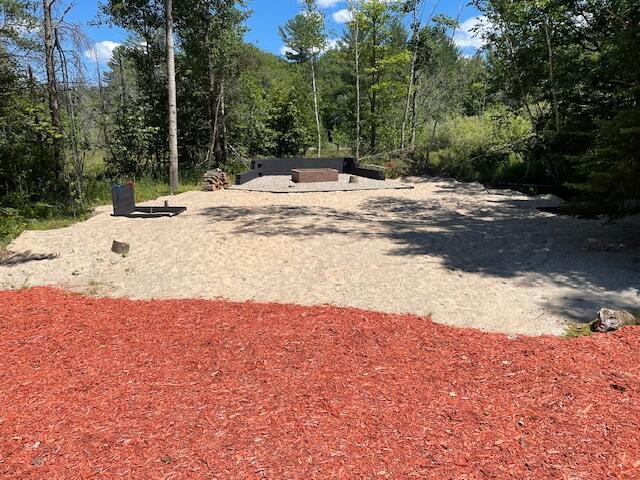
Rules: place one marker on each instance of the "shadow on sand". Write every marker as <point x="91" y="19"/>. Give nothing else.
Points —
<point x="12" y="259"/>
<point x="498" y="236"/>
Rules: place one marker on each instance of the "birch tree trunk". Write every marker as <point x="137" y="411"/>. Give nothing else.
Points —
<point x="173" y="104"/>
<point x="52" y="91"/>
<point x="315" y="104"/>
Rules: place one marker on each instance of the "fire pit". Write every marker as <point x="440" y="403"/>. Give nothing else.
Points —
<point x="314" y="175"/>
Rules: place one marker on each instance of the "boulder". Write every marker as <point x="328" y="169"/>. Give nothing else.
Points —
<point x="612" y="320"/>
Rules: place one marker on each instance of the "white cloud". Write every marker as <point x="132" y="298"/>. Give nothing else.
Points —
<point x="284" y="50"/>
<point x="103" y="51"/>
<point x="471" y="32"/>
<point x="328" y="3"/>
<point x="332" y="44"/>
<point x="324" y="3"/>
<point x="342" y="16"/>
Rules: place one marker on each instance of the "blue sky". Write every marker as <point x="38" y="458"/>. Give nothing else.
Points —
<point x="269" y="14"/>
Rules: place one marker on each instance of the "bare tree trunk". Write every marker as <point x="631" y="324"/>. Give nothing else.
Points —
<point x="374" y="82"/>
<point x="412" y="77"/>
<point x="358" y="120"/>
<point x="214" y="131"/>
<point x="354" y="13"/>
<point x="213" y="113"/>
<point x="315" y="104"/>
<point x="123" y="85"/>
<point x="213" y="98"/>
<point x="556" y="111"/>
<point x="220" y="130"/>
<point x="414" y="117"/>
<point x="52" y="91"/>
<point x="103" y="103"/>
<point x="75" y="150"/>
<point x="173" y="103"/>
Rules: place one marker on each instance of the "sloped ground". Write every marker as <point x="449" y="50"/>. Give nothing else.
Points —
<point x="211" y="389"/>
<point x="464" y="255"/>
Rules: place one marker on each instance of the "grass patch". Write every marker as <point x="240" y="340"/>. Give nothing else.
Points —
<point x="56" y="222"/>
<point x="576" y="330"/>
<point x="39" y="216"/>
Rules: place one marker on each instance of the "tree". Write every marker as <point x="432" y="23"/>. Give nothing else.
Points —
<point x="52" y="89"/>
<point x="305" y="39"/>
<point x="413" y="5"/>
<point x="586" y="88"/>
<point x="354" y="36"/>
<point x="385" y="59"/>
<point x="173" y="107"/>
<point x="212" y="33"/>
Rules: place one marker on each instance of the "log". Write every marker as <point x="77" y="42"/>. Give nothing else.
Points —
<point x="612" y="320"/>
<point x="215" y="180"/>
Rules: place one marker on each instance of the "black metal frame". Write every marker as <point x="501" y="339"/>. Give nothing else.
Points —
<point x="123" y="198"/>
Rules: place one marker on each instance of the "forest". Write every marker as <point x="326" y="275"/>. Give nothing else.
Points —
<point x="550" y="103"/>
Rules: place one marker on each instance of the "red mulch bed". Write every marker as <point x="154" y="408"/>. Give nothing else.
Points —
<point x="208" y="389"/>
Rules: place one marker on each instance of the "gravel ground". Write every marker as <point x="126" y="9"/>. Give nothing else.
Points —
<point x="468" y="256"/>
<point x="284" y="184"/>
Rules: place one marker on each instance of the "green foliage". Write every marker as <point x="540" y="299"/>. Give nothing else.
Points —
<point x="11" y="224"/>
<point x="610" y="172"/>
<point x="130" y="145"/>
<point x="290" y="133"/>
<point x="24" y="213"/>
<point x="488" y="147"/>
<point x="553" y="99"/>
<point x="304" y="35"/>
<point x="25" y="134"/>
<point x="574" y="67"/>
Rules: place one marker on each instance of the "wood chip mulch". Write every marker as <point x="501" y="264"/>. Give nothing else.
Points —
<point x="210" y="389"/>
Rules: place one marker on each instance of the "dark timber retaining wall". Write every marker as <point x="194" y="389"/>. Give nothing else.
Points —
<point x="283" y="166"/>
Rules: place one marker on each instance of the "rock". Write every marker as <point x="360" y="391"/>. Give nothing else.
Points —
<point x="612" y="320"/>
<point x="120" y="248"/>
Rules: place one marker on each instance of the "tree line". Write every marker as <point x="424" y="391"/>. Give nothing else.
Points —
<point x="551" y="100"/>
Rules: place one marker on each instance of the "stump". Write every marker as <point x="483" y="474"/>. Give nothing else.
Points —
<point x="215" y="180"/>
<point x="120" y="248"/>
<point x="612" y="320"/>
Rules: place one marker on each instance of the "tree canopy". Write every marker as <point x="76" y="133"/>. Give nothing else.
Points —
<point x="550" y="101"/>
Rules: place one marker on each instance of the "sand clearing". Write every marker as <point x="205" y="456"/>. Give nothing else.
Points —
<point x="468" y="256"/>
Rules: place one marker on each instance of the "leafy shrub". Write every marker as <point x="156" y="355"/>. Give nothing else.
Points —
<point x="396" y="168"/>
<point x="610" y="172"/>
<point x="11" y="225"/>
<point x="487" y="147"/>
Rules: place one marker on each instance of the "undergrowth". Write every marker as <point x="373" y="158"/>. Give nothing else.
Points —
<point x="19" y="212"/>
